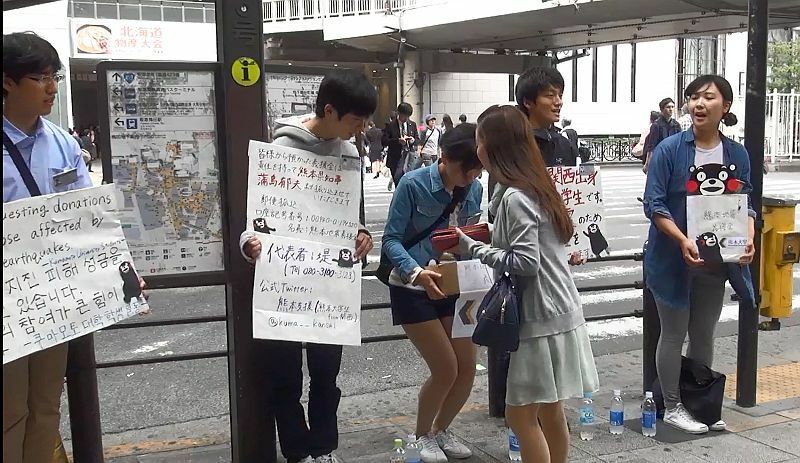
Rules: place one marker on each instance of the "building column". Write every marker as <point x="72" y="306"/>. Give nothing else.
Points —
<point x="412" y="84"/>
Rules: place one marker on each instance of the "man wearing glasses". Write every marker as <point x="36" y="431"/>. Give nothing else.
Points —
<point x="39" y="158"/>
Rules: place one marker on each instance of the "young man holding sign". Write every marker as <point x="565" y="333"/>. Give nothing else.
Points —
<point x="39" y="158"/>
<point x="344" y="102"/>
<point x="539" y="93"/>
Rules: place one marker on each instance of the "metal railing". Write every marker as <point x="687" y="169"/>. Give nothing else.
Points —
<point x="165" y="10"/>
<point x="782" y="128"/>
<point x="294" y="10"/>
<point x="605" y="148"/>
<point x="638" y="257"/>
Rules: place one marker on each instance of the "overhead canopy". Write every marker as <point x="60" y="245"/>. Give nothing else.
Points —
<point x="16" y="4"/>
<point x="552" y="25"/>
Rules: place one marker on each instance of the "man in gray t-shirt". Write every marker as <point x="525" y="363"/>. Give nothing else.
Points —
<point x="430" y="140"/>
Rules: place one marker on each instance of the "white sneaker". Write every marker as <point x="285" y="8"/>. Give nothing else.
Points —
<point x="718" y="426"/>
<point x="430" y="450"/>
<point x="680" y="418"/>
<point x="451" y="447"/>
<point x="306" y="460"/>
<point x="329" y="458"/>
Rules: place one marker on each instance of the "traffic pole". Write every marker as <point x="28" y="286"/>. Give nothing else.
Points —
<point x="755" y="118"/>
<point x="84" y="402"/>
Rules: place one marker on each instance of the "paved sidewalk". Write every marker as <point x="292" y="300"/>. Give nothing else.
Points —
<point x="368" y="423"/>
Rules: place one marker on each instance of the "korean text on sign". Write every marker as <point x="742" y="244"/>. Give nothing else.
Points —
<point x="66" y="270"/>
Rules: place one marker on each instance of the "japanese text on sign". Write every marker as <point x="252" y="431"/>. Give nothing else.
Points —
<point x="66" y="270"/>
<point x="306" y="291"/>
<point x="719" y="226"/>
<point x="581" y="190"/>
<point x="296" y="193"/>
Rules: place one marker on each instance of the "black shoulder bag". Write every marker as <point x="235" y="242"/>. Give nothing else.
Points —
<point x="385" y="267"/>
<point x="24" y="170"/>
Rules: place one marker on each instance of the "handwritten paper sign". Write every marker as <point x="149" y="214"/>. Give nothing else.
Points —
<point x="299" y="194"/>
<point x="719" y="226"/>
<point x="67" y="270"/>
<point x="307" y="291"/>
<point x="581" y="190"/>
<point x="474" y="280"/>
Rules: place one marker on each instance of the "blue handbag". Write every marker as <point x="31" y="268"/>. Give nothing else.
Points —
<point x="498" y="315"/>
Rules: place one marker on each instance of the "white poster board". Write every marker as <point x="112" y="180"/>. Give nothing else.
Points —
<point x="718" y="225"/>
<point x="306" y="291"/>
<point x="66" y="270"/>
<point x="298" y="194"/>
<point x="582" y="192"/>
<point x="164" y="160"/>
<point x="474" y="280"/>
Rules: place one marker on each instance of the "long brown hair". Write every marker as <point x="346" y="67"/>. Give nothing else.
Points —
<point x="515" y="160"/>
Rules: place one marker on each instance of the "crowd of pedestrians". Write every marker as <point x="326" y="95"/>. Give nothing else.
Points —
<point x="435" y="173"/>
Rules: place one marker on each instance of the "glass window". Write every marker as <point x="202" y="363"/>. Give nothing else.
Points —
<point x="173" y="14"/>
<point x="151" y="13"/>
<point x="83" y="9"/>
<point x="211" y="16"/>
<point x="193" y="14"/>
<point x="129" y="12"/>
<point x="106" y="11"/>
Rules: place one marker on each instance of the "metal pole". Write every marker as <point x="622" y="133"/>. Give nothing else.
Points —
<point x="755" y="115"/>
<point x="498" y="373"/>
<point x="84" y="404"/>
<point x="242" y="118"/>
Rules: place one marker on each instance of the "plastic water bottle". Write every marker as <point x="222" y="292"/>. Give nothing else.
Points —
<point x="398" y="455"/>
<point x="513" y="447"/>
<point x="648" y="415"/>
<point x="587" y="417"/>
<point x="617" y="414"/>
<point x="413" y="450"/>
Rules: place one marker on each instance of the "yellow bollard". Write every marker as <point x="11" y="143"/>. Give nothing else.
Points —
<point x="780" y="249"/>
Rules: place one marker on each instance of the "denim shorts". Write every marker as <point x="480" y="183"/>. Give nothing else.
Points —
<point x="411" y="306"/>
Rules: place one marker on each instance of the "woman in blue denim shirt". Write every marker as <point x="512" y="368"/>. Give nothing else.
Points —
<point x="418" y="303"/>
<point x="689" y="292"/>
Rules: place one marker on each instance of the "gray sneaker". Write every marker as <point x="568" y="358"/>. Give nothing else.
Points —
<point x="329" y="458"/>
<point x="718" y="426"/>
<point x="680" y="418"/>
<point x="452" y="447"/>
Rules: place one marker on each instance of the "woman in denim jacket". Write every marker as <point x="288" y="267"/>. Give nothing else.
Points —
<point x="418" y="303"/>
<point x="689" y="292"/>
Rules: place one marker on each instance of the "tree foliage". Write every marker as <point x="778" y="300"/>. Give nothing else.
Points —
<point x="784" y="66"/>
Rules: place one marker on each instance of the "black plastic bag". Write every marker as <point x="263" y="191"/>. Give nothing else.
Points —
<point x="702" y="391"/>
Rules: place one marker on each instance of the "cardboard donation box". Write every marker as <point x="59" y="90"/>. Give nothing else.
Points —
<point x="449" y="272"/>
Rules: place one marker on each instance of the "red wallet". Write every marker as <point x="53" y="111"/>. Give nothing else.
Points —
<point x="447" y="238"/>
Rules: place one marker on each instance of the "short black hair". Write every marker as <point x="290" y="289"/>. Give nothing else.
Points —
<point x="722" y="85"/>
<point x="534" y="81"/>
<point x="462" y="118"/>
<point x="405" y="109"/>
<point x="458" y="145"/>
<point x="26" y="53"/>
<point x="663" y="103"/>
<point x="349" y="92"/>
<point x="654" y="115"/>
